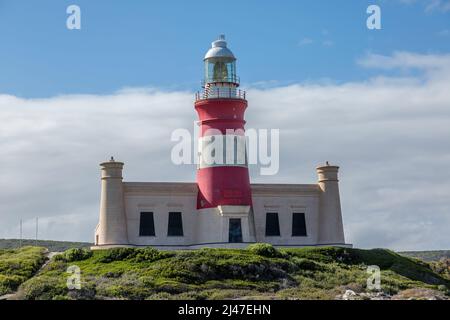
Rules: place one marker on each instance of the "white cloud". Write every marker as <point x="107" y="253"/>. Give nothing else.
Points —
<point x="325" y="42"/>
<point x="444" y="33"/>
<point x="437" y="5"/>
<point x="390" y="135"/>
<point x="305" y="42"/>
<point x="401" y="59"/>
<point x="435" y="67"/>
<point x="430" y="5"/>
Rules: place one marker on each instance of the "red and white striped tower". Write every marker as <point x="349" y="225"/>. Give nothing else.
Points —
<point x="222" y="176"/>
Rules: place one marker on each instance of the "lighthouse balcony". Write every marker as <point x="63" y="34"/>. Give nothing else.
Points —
<point x="217" y="92"/>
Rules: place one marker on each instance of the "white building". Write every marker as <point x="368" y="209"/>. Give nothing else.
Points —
<point x="222" y="209"/>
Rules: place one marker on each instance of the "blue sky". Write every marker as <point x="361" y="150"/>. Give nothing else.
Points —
<point x="161" y="43"/>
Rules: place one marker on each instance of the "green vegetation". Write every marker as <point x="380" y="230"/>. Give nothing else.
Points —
<point x="428" y="255"/>
<point x="74" y="254"/>
<point x="259" y="272"/>
<point x="52" y="246"/>
<point x="18" y="265"/>
<point x="265" y="250"/>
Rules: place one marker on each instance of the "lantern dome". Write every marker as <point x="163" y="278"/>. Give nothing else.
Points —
<point x="219" y="50"/>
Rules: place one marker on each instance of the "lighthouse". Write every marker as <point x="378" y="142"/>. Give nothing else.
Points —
<point x="222" y="176"/>
<point x="221" y="209"/>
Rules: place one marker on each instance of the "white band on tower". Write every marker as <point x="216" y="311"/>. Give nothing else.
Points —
<point x="222" y="151"/>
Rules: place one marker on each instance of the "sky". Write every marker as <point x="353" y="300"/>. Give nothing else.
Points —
<point x="374" y="102"/>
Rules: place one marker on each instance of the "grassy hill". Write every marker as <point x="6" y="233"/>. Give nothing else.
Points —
<point x="54" y="246"/>
<point x="435" y="255"/>
<point x="259" y="272"/>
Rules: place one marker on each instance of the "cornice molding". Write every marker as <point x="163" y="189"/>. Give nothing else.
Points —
<point x="188" y="188"/>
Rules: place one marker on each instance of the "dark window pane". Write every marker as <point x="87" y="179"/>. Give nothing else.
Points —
<point x="272" y="224"/>
<point x="146" y="225"/>
<point x="175" y="224"/>
<point x="235" y="231"/>
<point x="298" y="225"/>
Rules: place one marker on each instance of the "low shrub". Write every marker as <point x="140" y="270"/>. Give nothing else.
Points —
<point x="11" y="281"/>
<point x="264" y="249"/>
<point x="43" y="288"/>
<point x="87" y="292"/>
<point x="117" y="254"/>
<point x="133" y="255"/>
<point x="306" y="264"/>
<point x="151" y="254"/>
<point x="198" y="267"/>
<point x="74" y="254"/>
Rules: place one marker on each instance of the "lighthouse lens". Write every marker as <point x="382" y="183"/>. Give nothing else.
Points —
<point x="220" y="71"/>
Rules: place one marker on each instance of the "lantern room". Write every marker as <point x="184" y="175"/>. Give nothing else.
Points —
<point x="220" y="64"/>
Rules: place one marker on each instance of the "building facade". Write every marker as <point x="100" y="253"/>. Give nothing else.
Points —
<point x="222" y="209"/>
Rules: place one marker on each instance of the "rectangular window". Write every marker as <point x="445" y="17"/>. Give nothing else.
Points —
<point x="235" y="231"/>
<point x="175" y="228"/>
<point x="146" y="225"/>
<point x="298" y="224"/>
<point x="272" y="225"/>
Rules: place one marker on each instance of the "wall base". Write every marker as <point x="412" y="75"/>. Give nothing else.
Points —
<point x="223" y="245"/>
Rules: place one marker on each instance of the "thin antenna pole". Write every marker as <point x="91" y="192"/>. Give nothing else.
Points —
<point x="37" y="228"/>
<point x="20" y="242"/>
